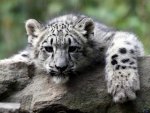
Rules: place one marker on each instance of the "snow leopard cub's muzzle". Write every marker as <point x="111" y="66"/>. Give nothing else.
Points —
<point x="61" y="66"/>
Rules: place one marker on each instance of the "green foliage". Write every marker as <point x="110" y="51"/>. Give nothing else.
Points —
<point x="129" y="15"/>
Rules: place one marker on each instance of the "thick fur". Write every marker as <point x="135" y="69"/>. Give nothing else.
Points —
<point x="68" y="43"/>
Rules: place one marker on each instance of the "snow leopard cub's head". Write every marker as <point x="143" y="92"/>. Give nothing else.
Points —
<point x="61" y="46"/>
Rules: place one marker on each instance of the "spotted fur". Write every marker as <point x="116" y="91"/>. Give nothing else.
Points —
<point x="68" y="43"/>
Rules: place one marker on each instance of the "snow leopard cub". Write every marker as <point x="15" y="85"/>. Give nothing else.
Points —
<point x="67" y="43"/>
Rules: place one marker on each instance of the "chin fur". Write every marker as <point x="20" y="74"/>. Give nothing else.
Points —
<point x="60" y="80"/>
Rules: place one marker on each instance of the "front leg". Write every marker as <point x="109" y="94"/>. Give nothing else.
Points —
<point x="121" y="66"/>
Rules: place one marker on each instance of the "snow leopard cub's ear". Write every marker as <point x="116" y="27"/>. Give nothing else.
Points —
<point x="85" y="25"/>
<point x="33" y="27"/>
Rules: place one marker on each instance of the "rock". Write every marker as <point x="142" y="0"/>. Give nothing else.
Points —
<point x="9" y="107"/>
<point x="85" y="93"/>
<point x="14" y="76"/>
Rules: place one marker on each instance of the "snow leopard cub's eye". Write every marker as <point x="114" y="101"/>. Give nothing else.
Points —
<point x="49" y="49"/>
<point x="73" y="49"/>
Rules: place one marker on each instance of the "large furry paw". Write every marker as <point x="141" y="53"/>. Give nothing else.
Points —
<point x="121" y="67"/>
<point x="123" y="85"/>
<point x="122" y="76"/>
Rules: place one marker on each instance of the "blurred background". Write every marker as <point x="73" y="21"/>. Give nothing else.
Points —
<point x="129" y="15"/>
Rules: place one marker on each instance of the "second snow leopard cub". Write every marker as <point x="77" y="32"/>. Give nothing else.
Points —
<point x="68" y="43"/>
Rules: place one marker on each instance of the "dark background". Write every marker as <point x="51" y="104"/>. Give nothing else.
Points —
<point x="130" y="15"/>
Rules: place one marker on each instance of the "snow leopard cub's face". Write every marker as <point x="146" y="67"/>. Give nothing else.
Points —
<point x="61" y="46"/>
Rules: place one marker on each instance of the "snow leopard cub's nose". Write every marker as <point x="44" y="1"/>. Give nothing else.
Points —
<point x="61" y="68"/>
